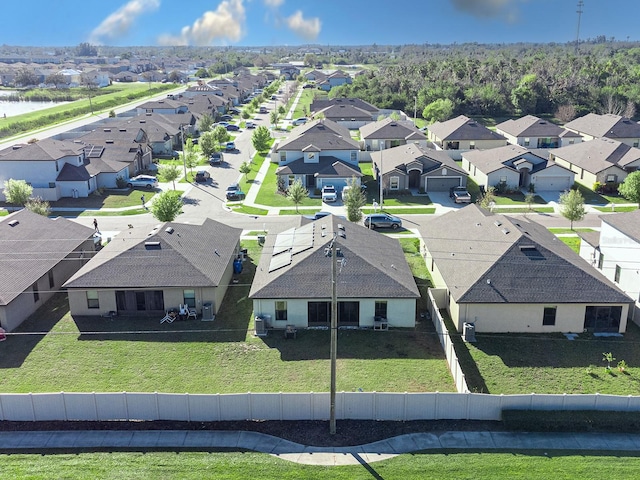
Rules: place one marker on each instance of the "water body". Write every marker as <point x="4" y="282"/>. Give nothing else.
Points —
<point x="11" y="108"/>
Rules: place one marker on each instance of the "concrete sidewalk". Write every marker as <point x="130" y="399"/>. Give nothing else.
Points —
<point x="442" y="442"/>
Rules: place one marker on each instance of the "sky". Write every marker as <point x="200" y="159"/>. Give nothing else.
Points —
<point x="302" y="22"/>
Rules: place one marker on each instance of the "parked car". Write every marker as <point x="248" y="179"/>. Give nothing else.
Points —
<point x="329" y="193"/>
<point x="308" y="85"/>
<point x="460" y="195"/>
<point x="250" y="124"/>
<point x="216" y="158"/>
<point x="222" y="124"/>
<point x="226" y="118"/>
<point x="263" y="110"/>
<point x="232" y="128"/>
<point x="299" y="121"/>
<point x="143" y="181"/>
<point x="382" y="220"/>
<point x="317" y="215"/>
<point x="202" y="176"/>
<point x="234" y="193"/>
<point x="230" y="147"/>
<point x="273" y="97"/>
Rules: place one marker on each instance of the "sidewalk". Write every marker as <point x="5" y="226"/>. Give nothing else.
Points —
<point x="443" y="442"/>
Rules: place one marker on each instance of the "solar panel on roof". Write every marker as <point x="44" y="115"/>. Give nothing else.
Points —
<point x="303" y="238"/>
<point x="284" y="241"/>
<point x="279" y="261"/>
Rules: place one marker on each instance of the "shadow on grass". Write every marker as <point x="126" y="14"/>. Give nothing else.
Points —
<point x="17" y="348"/>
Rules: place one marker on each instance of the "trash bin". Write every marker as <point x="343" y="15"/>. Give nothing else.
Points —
<point x="469" y="332"/>
<point x="237" y="265"/>
<point x="261" y="239"/>
<point x="207" y="311"/>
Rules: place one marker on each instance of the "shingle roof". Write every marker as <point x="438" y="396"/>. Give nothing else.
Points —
<point x="375" y="266"/>
<point x="627" y="223"/>
<point x="397" y="158"/>
<point x="487" y="258"/>
<point x="32" y="247"/>
<point x="493" y="159"/>
<point x="608" y="125"/>
<point x="327" y="166"/>
<point x="324" y="134"/>
<point x="390" y="129"/>
<point x="345" y="112"/>
<point x="530" y="126"/>
<point x="598" y="154"/>
<point x="462" y="128"/>
<point x="319" y="104"/>
<point x="45" y="149"/>
<point x="185" y="257"/>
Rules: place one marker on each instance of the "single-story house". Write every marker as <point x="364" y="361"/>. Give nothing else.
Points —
<point x="346" y="115"/>
<point x="460" y="134"/>
<point x="414" y="167"/>
<point x="600" y="160"/>
<point x="293" y="285"/>
<point x="503" y="274"/>
<point x="615" y="127"/>
<point x="615" y="251"/>
<point x="534" y="132"/>
<point x="322" y="103"/>
<point x="516" y="167"/>
<point x="146" y="273"/>
<point x="389" y="133"/>
<point x="334" y="79"/>
<point x="38" y="255"/>
<point x="318" y="153"/>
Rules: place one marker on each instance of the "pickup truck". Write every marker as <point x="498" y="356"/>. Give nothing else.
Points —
<point x="329" y="193"/>
<point x="460" y="195"/>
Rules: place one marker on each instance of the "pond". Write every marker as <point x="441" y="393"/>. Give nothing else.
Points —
<point x="9" y="108"/>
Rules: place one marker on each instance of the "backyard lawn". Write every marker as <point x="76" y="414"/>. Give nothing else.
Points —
<point x="54" y="352"/>
<point x="110" y="199"/>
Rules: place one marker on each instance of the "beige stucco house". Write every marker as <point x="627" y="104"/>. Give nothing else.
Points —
<point x="461" y="134"/>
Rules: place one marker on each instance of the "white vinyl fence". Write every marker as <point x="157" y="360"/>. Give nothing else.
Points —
<point x="291" y="406"/>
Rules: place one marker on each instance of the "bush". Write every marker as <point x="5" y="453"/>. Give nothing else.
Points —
<point x="570" y="420"/>
<point x="121" y="182"/>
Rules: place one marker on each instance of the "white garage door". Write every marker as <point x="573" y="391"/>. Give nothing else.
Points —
<point x="441" y="184"/>
<point x="558" y="184"/>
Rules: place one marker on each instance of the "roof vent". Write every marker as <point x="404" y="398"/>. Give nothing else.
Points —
<point x="505" y="231"/>
<point x="497" y="223"/>
<point x="342" y="234"/>
<point x="13" y="223"/>
<point x="154" y="244"/>
<point x="340" y="227"/>
<point x="169" y="229"/>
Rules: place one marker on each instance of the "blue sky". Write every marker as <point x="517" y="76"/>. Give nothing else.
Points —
<point x="324" y="22"/>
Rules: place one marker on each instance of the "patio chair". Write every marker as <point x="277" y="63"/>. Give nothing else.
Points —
<point x="169" y="317"/>
<point x="192" y="314"/>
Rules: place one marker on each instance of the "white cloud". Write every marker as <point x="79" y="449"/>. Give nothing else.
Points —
<point x="305" y="28"/>
<point x="273" y="3"/>
<point x="489" y="8"/>
<point x="120" y="22"/>
<point x="225" y="23"/>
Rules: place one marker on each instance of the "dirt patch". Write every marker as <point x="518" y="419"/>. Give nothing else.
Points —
<point x="316" y="433"/>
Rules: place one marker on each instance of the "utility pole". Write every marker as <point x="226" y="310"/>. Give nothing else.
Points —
<point x="415" y="110"/>
<point x="579" y="12"/>
<point x="334" y="335"/>
<point x="184" y="157"/>
<point x="380" y="176"/>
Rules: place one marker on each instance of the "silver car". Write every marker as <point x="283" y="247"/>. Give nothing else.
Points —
<point x="143" y="181"/>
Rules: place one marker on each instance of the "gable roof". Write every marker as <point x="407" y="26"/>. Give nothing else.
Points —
<point x="345" y="112"/>
<point x="530" y="126"/>
<point x="327" y="166"/>
<point x="319" y="104"/>
<point x="184" y="257"/>
<point x="390" y="129"/>
<point x="598" y="154"/>
<point x="462" y="128"/>
<point x="487" y="258"/>
<point x="608" y="125"/>
<point x="324" y="134"/>
<point x="27" y="254"/>
<point x="397" y="158"/>
<point x="45" y="149"/>
<point x="294" y="265"/>
<point x="627" y="223"/>
<point x="509" y="156"/>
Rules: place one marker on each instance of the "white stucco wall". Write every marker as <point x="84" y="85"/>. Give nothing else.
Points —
<point x="620" y="250"/>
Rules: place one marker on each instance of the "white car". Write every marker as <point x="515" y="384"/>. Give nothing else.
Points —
<point x="299" y="121"/>
<point x="143" y="181"/>
<point x="250" y="124"/>
<point x="329" y="194"/>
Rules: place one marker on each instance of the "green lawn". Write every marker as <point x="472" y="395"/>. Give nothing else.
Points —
<point x="521" y="363"/>
<point x="617" y="208"/>
<point x="523" y="210"/>
<point x="55" y="352"/>
<point x="591" y="197"/>
<point x="268" y="196"/>
<point x="573" y="242"/>
<point x="99" y="213"/>
<point x="248" y="210"/>
<point x="241" y="465"/>
<point x="402" y="211"/>
<point x="302" y="107"/>
<point x="557" y="231"/>
<point x="110" y="199"/>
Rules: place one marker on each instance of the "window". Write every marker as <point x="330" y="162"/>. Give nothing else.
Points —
<point x="189" y="297"/>
<point x="526" y="142"/>
<point x="354" y="155"/>
<point x="92" y="299"/>
<point x="472" y="145"/>
<point x="292" y="179"/>
<point x="52" y="184"/>
<point x="52" y="283"/>
<point x="503" y="179"/>
<point x="281" y="310"/>
<point x="394" y="183"/>
<point x="283" y="156"/>
<point x="616" y="278"/>
<point x="549" y="316"/>
<point x="444" y="172"/>
<point x="36" y="293"/>
<point x="380" y="309"/>
<point x="635" y="144"/>
<point x="600" y="261"/>
<point x="611" y="178"/>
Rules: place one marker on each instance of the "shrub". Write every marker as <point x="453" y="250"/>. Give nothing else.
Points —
<point x="121" y="182"/>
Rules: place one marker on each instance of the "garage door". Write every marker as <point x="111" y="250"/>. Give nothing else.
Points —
<point x="557" y="184"/>
<point x="441" y="184"/>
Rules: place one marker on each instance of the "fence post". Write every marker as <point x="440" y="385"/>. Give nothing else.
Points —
<point x="33" y="408"/>
<point x="64" y="405"/>
<point x="188" y="406"/>
<point x="126" y="405"/>
<point x="250" y="405"/>
<point x="95" y="405"/>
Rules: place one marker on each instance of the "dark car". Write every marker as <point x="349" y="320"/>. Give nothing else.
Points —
<point x="232" y="128"/>
<point x="235" y="111"/>
<point x="317" y="215"/>
<point x="234" y="193"/>
<point x="308" y="85"/>
<point x="263" y="110"/>
<point x="202" y="176"/>
<point x="216" y="158"/>
<point x="382" y="220"/>
<point x="226" y="118"/>
<point x="460" y="195"/>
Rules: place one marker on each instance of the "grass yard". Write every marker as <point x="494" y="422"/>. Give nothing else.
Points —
<point x="247" y="210"/>
<point x="242" y="465"/>
<point x="267" y="194"/>
<point x="510" y="364"/>
<point x="99" y="213"/>
<point x="402" y="211"/>
<point x="572" y="242"/>
<point x="560" y="231"/>
<point x="523" y="210"/>
<point x="110" y="199"/>
<point x="55" y="352"/>
<point x="617" y="208"/>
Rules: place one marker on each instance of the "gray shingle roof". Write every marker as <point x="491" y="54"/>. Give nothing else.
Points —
<point x="627" y="223"/>
<point x="319" y="104"/>
<point x="508" y="156"/>
<point x="530" y="126"/>
<point x="345" y="113"/>
<point x="486" y="258"/>
<point x="375" y="266"/>
<point x="185" y="257"/>
<point x="45" y="149"/>
<point x="28" y="252"/>
<point x="390" y="129"/>
<point x="327" y="166"/>
<point x="397" y="158"/>
<point x="608" y="125"/>
<point x="462" y="128"/>
<point x="598" y="154"/>
<point x="324" y="134"/>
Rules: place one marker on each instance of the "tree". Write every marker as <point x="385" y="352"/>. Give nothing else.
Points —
<point x="17" y="192"/>
<point x="275" y="118"/>
<point x="221" y="135"/>
<point x="39" y="206"/>
<point x="85" y="49"/>
<point x="174" y="76"/>
<point x="630" y="188"/>
<point x="281" y="110"/>
<point x="167" y="206"/>
<point x="245" y="169"/>
<point x="488" y="199"/>
<point x="170" y="173"/>
<point x="205" y="123"/>
<point x="191" y="159"/>
<point x="354" y="200"/>
<point x="572" y="206"/>
<point x="208" y="144"/>
<point x="25" y="77"/>
<point x="297" y="193"/>
<point x="55" y="79"/>
<point x="530" y="199"/>
<point x="261" y="139"/>
<point x="438" y="110"/>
